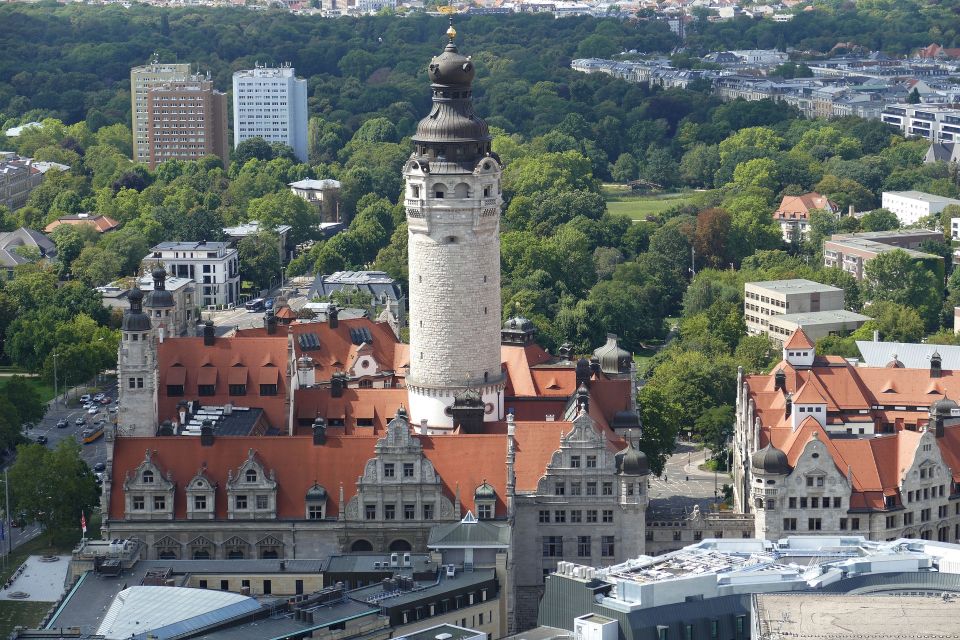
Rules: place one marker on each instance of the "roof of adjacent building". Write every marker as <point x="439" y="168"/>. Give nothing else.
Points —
<point x="100" y="223"/>
<point x="252" y="228"/>
<point x="469" y="533"/>
<point x="444" y="631"/>
<point x="319" y="185"/>
<point x="799" y="207"/>
<point x="191" y="246"/>
<point x="795" y="285"/>
<point x="798" y="340"/>
<point x="912" y="355"/>
<point x="813" y="318"/>
<point x="11" y="241"/>
<point x="377" y="283"/>
<point x="923" y="196"/>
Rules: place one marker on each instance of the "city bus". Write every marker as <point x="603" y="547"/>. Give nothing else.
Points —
<point x="255" y="305"/>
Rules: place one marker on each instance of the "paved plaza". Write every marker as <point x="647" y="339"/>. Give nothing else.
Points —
<point x="40" y="579"/>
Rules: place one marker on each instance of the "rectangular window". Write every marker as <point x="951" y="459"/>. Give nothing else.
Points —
<point x="591" y="516"/>
<point x="407" y="469"/>
<point x="224" y="585"/>
<point x="200" y="503"/>
<point x="314" y="512"/>
<point x="836" y="502"/>
<point x="409" y="511"/>
<point x="606" y="546"/>
<point x="809" y="481"/>
<point x="608" y="488"/>
<point x="907" y="518"/>
<point x="855" y="524"/>
<point x="267" y="587"/>
<point x="591" y="488"/>
<point x="484" y="511"/>
<point x="576" y="516"/>
<point x="575" y="489"/>
<point x="298" y="587"/>
<point x="843" y="524"/>
<point x="174" y="390"/>
<point x="559" y="489"/>
<point x="560" y="516"/>
<point x="591" y="462"/>
<point x="268" y="389"/>
<point x="814" y="503"/>
<point x="206" y="389"/>
<point x="819" y="481"/>
<point x="814" y="524"/>
<point x="428" y="512"/>
<point x="583" y="546"/>
<point x="608" y="515"/>
<point x="792" y="503"/>
<point x="240" y="502"/>
<point x="389" y="512"/>
<point x="238" y="389"/>
<point x="544" y="516"/>
<point x="789" y="524"/>
<point x="262" y="502"/>
<point x="388" y="470"/>
<point x="575" y="462"/>
<point x="138" y="503"/>
<point x="132" y="382"/>
<point x="552" y="547"/>
<point x="803" y="503"/>
<point x="370" y="512"/>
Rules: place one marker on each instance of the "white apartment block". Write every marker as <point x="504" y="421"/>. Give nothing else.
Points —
<point x="271" y="103"/>
<point x="911" y="206"/>
<point x="765" y="300"/>
<point x="142" y="79"/>
<point x="955" y="228"/>
<point x="212" y="265"/>
<point x="933" y="122"/>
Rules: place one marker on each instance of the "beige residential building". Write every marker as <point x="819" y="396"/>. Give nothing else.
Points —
<point x="186" y="120"/>
<point x="851" y="251"/>
<point x="142" y="79"/>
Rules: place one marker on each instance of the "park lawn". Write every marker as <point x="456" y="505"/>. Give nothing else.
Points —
<point x="45" y="390"/>
<point x="622" y="201"/>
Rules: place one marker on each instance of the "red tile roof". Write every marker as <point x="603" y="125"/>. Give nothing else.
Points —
<point x="798" y="340"/>
<point x="102" y="224"/>
<point x="799" y="207"/>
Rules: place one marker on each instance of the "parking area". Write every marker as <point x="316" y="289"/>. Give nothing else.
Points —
<point x="74" y="419"/>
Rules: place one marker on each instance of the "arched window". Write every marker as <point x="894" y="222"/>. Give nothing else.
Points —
<point x="251" y="475"/>
<point x="400" y="545"/>
<point x="361" y="545"/>
<point x="462" y="190"/>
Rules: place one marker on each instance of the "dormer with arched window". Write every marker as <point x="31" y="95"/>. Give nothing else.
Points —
<point x="201" y="497"/>
<point x="148" y="494"/>
<point x="251" y="491"/>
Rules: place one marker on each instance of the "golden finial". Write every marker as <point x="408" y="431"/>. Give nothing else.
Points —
<point x="451" y="32"/>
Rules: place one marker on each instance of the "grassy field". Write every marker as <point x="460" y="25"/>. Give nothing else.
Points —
<point x="45" y="391"/>
<point x="620" y="200"/>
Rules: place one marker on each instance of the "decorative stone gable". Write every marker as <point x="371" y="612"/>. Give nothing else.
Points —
<point x="582" y="450"/>
<point x="925" y="488"/>
<point x="201" y="496"/>
<point x="399" y="484"/>
<point x="148" y="493"/>
<point x="363" y="363"/>
<point x="251" y="491"/>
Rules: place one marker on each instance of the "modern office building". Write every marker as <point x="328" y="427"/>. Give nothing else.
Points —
<point x="816" y="324"/>
<point x="212" y="265"/>
<point x="271" y="103"/>
<point x="764" y="300"/>
<point x="186" y="120"/>
<point x="851" y="251"/>
<point x="936" y="123"/>
<point x="911" y="206"/>
<point x="142" y="79"/>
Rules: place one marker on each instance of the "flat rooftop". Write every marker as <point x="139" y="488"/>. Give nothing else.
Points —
<point x="818" y="616"/>
<point x="797" y="285"/>
<point x="880" y="236"/>
<point x="922" y="195"/>
<point x="191" y="246"/>
<point x="449" y="631"/>
<point x="875" y="246"/>
<point x="811" y="318"/>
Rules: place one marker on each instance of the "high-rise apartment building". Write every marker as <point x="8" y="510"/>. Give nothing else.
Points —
<point x="271" y="103"/>
<point x="141" y="80"/>
<point x="186" y="120"/>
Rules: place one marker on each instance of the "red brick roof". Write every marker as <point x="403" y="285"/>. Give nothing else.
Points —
<point x="101" y="223"/>
<point x="799" y="340"/>
<point x="799" y="207"/>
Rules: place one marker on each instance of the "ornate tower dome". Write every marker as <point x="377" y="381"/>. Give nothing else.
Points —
<point x="134" y="319"/>
<point x="613" y="358"/>
<point x="136" y="370"/>
<point x="770" y="460"/>
<point x="453" y="202"/>
<point x="631" y="461"/>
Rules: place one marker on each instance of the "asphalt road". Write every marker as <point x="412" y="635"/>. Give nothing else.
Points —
<point x="92" y="453"/>
<point x="683" y="485"/>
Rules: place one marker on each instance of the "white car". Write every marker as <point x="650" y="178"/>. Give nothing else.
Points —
<point x="98" y="397"/>
<point x="93" y="410"/>
<point x="85" y="398"/>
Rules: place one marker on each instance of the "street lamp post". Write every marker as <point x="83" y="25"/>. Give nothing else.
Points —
<point x="55" y="393"/>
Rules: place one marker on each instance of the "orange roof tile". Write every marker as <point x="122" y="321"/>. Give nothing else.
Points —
<point x="798" y="340"/>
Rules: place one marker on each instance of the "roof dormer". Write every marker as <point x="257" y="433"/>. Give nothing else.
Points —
<point x="799" y="350"/>
<point x="808" y="403"/>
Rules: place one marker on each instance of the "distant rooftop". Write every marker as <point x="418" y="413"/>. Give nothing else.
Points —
<point x="913" y="355"/>
<point x="821" y="317"/>
<point x="797" y="285"/>
<point x="192" y="246"/>
<point x="309" y="183"/>
<point x="444" y="631"/>
<point x="252" y="228"/>
<point x="925" y="197"/>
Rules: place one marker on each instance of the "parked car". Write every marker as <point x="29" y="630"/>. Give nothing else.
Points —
<point x="85" y="398"/>
<point x="98" y="478"/>
<point x="41" y="439"/>
<point x="93" y="409"/>
<point x="98" y="397"/>
<point x="100" y="466"/>
<point x="62" y="423"/>
<point x="113" y="409"/>
<point x="80" y="420"/>
<point x="105" y="400"/>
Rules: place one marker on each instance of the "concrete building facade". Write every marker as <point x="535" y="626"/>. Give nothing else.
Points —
<point x="271" y="103"/>
<point x="851" y="251"/>
<point x="911" y="206"/>
<point x="186" y="120"/>
<point x="18" y="178"/>
<point x="765" y="300"/>
<point x="142" y="79"/>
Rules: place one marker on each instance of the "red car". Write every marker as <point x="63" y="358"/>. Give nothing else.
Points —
<point x="105" y="400"/>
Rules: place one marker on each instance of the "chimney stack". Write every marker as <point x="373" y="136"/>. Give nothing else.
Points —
<point x="333" y="317"/>
<point x="319" y="431"/>
<point x="209" y="333"/>
<point x="595" y="366"/>
<point x="780" y="381"/>
<point x="788" y="409"/>
<point x="270" y="322"/>
<point x="337" y="383"/>
<point x="936" y="365"/>
<point x="206" y="434"/>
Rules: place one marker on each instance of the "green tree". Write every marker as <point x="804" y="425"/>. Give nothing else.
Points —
<point x="25" y="398"/>
<point x="52" y="487"/>
<point x="896" y="277"/>
<point x="714" y="427"/>
<point x="756" y="354"/>
<point x="259" y="259"/>
<point x="881" y="220"/>
<point x="913" y="97"/>
<point x="895" y="322"/>
<point x="624" y="169"/>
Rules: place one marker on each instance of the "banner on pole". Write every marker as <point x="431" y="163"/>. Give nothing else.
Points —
<point x="83" y="521"/>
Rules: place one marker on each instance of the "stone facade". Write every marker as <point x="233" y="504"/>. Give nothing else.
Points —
<point x="137" y="372"/>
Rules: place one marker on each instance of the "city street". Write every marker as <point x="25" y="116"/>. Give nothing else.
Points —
<point x="683" y="484"/>
<point x="92" y="453"/>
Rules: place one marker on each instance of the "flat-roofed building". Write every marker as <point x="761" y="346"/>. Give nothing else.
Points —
<point x="323" y="194"/>
<point x="851" y="251"/>
<point x="911" y="206"/>
<point x="764" y="300"/>
<point x="271" y="103"/>
<point x="816" y="324"/>
<point x="142" y="79"/>
<point x="212" y="265"/>
<point x="186" y="120"/>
